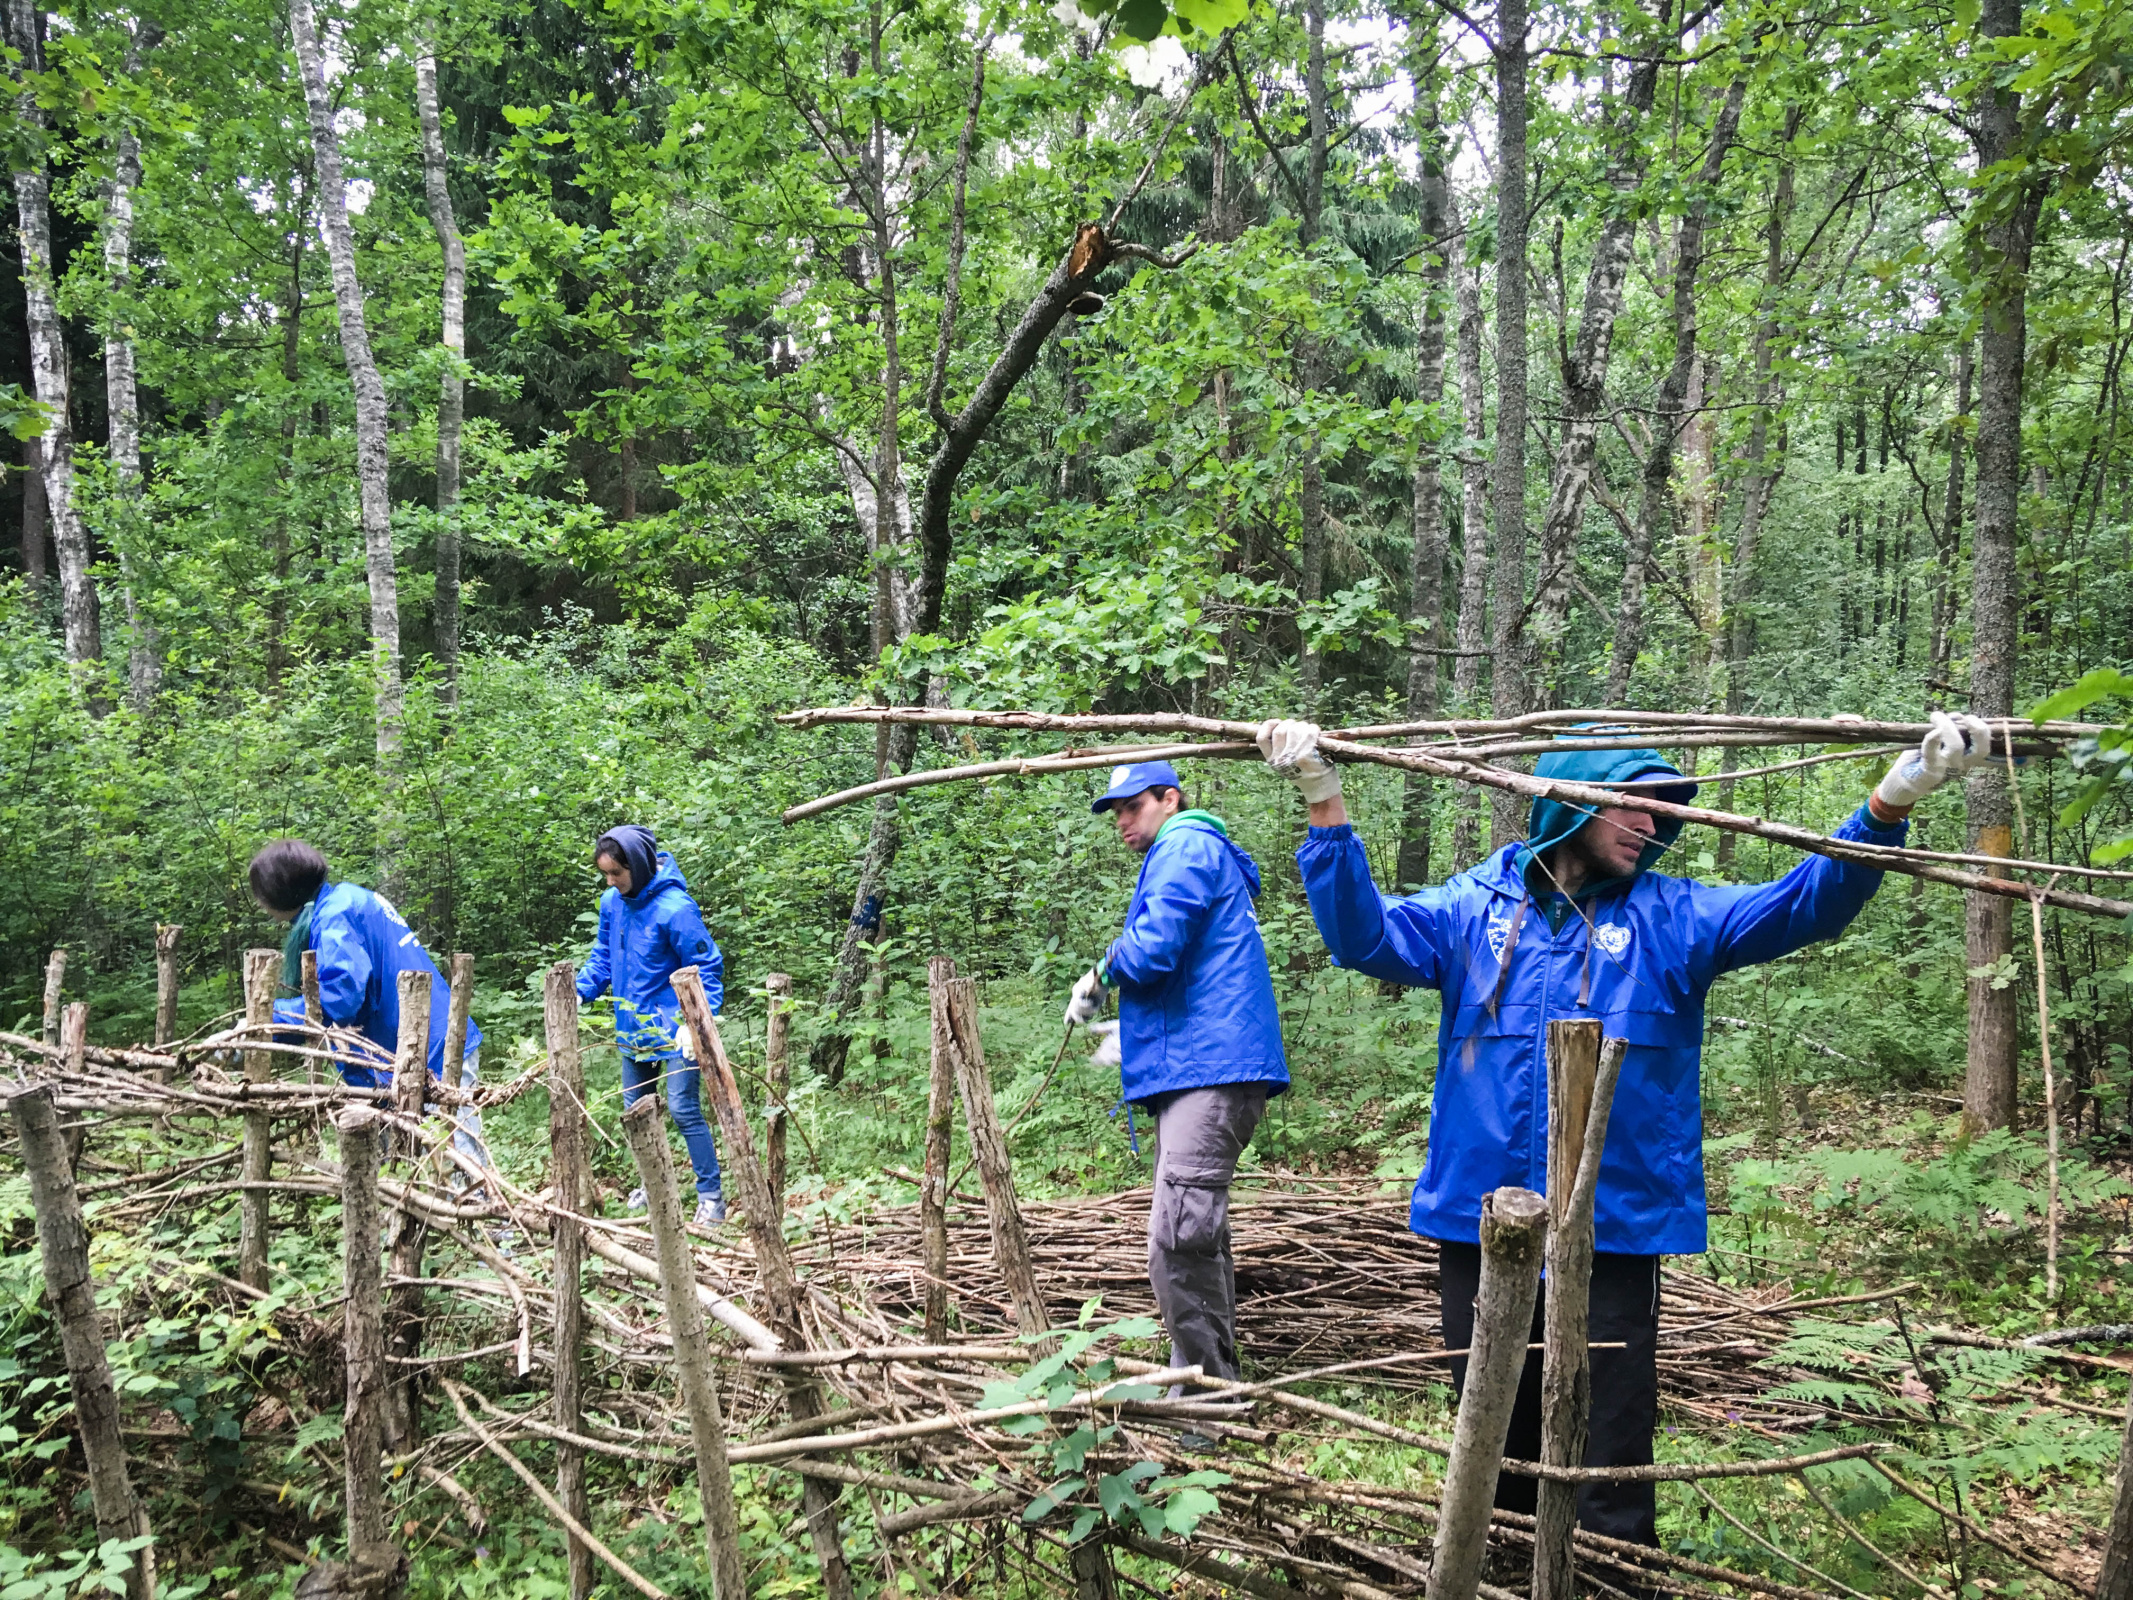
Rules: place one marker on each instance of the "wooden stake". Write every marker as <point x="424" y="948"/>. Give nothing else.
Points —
<point x="940" y="1129"/>
<point x="55" y="977"/>
<point x="571" y="1177"/>
<point x="74" y="1056"/>
<point x="773" y="1261"/>
<point x="455" y="1022"/>
<point x="363" y="1341"/>
<point x="314" y="1009"/>
<point x="166" y="986"/>
<point x="1010" y="1246"/>
<point x="1513" y="1226"/>
<point x="646" y="1125"/>
<point x="260" y="969"/>
<point x="410" y="1234"/>
<point x="63" y="1238"/>
<point x="777" y="1079"/>
<point x="1581" y="1088"/>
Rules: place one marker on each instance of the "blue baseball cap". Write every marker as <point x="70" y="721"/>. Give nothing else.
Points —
<point x="1137" y="778"/>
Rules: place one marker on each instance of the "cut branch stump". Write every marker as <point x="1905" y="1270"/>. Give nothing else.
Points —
<point x="410" y="1234"/>
<point x="773" y="1260"/>
<point x="940" y="1130"/>
<point x="74" y="1052"/>
<point x="570" y="1175"/>
<point x="55" y="978"/>
<point x="1514" y="1225"/>
<point x="777" y="1080"/>
<point x="260" y="969"/>
<point x="1581" y="1087"/>
<point x="645" y="1125"/>
<point x="166" y="988"/>
<point x="455" y="1020"/>
<point x="314" y="1011"/>
<point x="63" y="1239"/>
<point x="375" y="1565"/>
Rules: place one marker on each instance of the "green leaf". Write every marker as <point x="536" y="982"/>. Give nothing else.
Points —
<point x="1141" y="20"/>
<point x="2102" y="684"/>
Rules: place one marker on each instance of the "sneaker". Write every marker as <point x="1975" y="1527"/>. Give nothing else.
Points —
<point x="710" y="1210"/>
<point x="636" y="1201"/>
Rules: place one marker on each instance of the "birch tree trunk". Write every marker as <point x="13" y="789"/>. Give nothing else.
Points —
<point x="1311" y="358"/>
<point x="1989" y="1075"/>
<point x="1507" y="480"/>
<point x="1473" y="525"/>
<point x="370" y="415"/>
<point x="48" y="351"/>
<point x="1669" y="420"/>
<point x="451" y="389"/>
<point x="144" y="660"/>
<point x="34" y="536"/>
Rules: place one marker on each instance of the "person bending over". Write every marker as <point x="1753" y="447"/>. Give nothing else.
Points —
<point x="1198" y="1044"/>
<point x="1574" y="923"/>
<point x="650" y="928"/>
<point x="363" y="945"/>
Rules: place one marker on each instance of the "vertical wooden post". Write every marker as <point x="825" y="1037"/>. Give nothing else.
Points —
<point x="1581" y="1091"/>
<point x="940" y="1129"/>
<point x="166" y="983"/>
<point x="314" y="1009"/>
<point x="773" y="1261"/>
<point x="1010" y="1246"/>
<point x="455" y="1022"/>
<point x="55" y="977"/>
<point x="646" y="1125"/>
<point x="363" y="1341"/>
<point x="410" y="1234"/>
<point x="570" y="1180"/>
<point x="777" y="1077"/>
<point x="63" y="1238"/>
<point x="74" y="1061"/>
<point x="1514" y="1222"/>
<point x="2116" y="1582"/>
<point x="260" y="967"/>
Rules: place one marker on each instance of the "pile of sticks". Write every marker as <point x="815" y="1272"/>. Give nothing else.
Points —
<point x="866" y="1360"/>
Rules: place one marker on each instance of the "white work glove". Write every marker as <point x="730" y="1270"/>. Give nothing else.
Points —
<point x="1088" y="1002"/>
<point x="1106" y="1053"/>
<point x="1291" y="749"/>
<point x="1949" y="750"/>
<point x="685" y="1036"/>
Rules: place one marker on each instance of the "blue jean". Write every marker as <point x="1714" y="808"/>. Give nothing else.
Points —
<point x="685" y="1103"/>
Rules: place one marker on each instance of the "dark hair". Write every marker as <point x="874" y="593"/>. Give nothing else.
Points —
<point x="286" y="874"/>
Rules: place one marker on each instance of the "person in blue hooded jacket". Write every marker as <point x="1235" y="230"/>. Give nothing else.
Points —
<point x="650" y="928"/>
<point x="363" y="945"/>
<point x="1572" y="922"/>
<point x="1198" y="1043"/>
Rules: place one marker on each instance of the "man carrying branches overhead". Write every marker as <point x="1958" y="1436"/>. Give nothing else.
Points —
<point x="1572" y="923"/>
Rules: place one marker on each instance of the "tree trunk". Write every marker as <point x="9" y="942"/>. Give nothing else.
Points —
<point x="167" y="985"/>
<point x="63" y="1239"/>
<point x="2116" y="1581"/>
<point x="1311" y="361"/>
<point x="569" y="1171"/>
<point x="1948" y="540"/>
<point x="1425" y="584"/>
<point x="144" y="660"/>
<point x="940" y="1129"/>
<point x="1668" y="420"/>
<point x="451" y="392"/>
<point x="34" y="535"/>
<point x="1507" y="684"/>
<point x="1473" y="526"/>
<point x="370" y="419"/>
<point x="1584" y="378"/>
<point x="292" y="329"/>
<point x="777" y="1080"/>
<point x="1989" y="1075"/>
<point x="49" y="366"/>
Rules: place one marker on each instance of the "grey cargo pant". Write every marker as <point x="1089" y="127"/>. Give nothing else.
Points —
<point x="1199" y="1134"/>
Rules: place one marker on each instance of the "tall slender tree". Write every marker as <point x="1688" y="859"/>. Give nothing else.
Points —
<point x="144" y="663"/>
<point x="451" y="386"/>
<point x="1471" y="640"/>
<point x="1507" y="484"/>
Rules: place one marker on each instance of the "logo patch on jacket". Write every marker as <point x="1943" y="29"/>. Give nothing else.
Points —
<point x="1499" y="930"/>
<point x="1611" y="937"/>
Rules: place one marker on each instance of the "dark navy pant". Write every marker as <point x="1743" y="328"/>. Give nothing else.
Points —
<point x="1625" y="1386"/>
<point x="685" y="1103"/>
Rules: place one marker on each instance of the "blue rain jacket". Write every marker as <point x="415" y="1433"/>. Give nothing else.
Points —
<point x="1195" y="996"/>
<point x="645" y="938"/>
<point x="363" y="946"/>
<point x="1643" y="955"/>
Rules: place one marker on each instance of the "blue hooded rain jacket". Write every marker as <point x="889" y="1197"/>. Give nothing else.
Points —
<point x="645" y="938"/>
<point x="1638" y="953"/>
<point x="1195" y="996"/>
<point x="363" y="946"/>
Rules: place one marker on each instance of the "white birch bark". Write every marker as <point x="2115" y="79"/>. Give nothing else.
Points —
<point x="144" y="662"/>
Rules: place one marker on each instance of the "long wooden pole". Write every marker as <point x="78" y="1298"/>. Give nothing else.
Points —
<point x="567" y="1139"/>
<point x="773" y="1261"/>
<point x="410" y="1234"/>
<point x="63" y="1239"/>
<point x="645" y="1124"/>
<point x="260" y="967"/>
<point x="55" y="978"/>
<point x="940" y="1127"/>
<point x="167" y="982"/>
<point x="314" y="1010"/>
<point x="1010" y="1243"/>
<point x="1514" y="1223"/>
<point x="363" y="1342"/>
<point x="777" y="1080"/>
<point x="455" y="1024"/>
<point x="1581" y="1091"/>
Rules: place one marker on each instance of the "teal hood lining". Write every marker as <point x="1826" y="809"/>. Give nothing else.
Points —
<point x="1550" y="822"/>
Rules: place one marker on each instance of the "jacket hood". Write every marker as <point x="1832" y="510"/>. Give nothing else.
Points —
<point x="667" y="876"/>
<point x="636" y="849"/>
<point x="1208" y="823"/>
<point x="1552" y="821"/>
